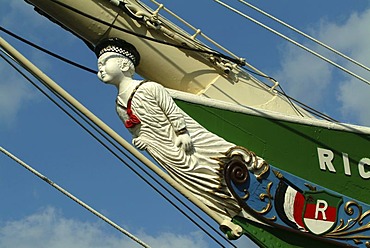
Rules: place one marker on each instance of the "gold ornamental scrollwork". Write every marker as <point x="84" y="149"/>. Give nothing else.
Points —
<point x="254" y="164"/>
<point x="347" y="230"/>
<point x="269" y="197"/>
<point x="238" y="171"/>
<point x="239" y="162"/>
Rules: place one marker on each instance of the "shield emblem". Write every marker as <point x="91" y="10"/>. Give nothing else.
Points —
<point x="320" y="211"/>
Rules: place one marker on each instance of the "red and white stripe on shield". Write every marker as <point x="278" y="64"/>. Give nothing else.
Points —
<point x="320" y="213"/>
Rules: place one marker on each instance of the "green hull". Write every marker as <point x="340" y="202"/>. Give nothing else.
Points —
<point x="292" y="145"/>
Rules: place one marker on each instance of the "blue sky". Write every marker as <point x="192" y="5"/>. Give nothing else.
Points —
<point x="31" y="127"/>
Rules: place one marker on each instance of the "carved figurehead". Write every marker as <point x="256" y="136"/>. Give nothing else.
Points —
<point x="116" y="63"/>
<point x="190" y="154"/>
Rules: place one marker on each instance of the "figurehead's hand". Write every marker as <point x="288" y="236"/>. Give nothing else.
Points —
<point x="184" y="141"/>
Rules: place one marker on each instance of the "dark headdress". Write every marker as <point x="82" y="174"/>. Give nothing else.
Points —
<point x="118" y="46"/>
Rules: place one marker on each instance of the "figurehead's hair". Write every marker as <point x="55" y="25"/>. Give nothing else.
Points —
<point x="119" y="46"/>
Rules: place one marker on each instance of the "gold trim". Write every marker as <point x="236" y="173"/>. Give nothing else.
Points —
<point x="267" y="195"/>
<point x="344" y="231"/>
<point x="264" y="171"/>
<point x="246" y="196"/>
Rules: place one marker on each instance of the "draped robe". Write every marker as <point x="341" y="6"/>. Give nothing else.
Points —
<point x="199" y="172"/>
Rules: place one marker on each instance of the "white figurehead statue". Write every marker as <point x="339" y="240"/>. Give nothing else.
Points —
<point x="117" y="66"/>
<point x="185" y="149"/>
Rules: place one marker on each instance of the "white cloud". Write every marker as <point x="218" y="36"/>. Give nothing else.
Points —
<point x="14" y="94"/>
<point x="49" y="229"/>
<point x="353" y="38"/>
<point x="170" y="240"/>
<point x="355" y="99"/>
<point x="303" y="76"/>
<point x="315" y="83"/>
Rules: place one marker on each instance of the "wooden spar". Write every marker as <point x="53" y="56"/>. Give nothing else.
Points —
<point x="30" y="67"/>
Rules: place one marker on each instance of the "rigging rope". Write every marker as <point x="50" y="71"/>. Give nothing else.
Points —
<point x="255" y="72"/>
<point x="305" y="35"/>
<point x="93" y="71"/>
<point x="258" y="73"/>
<point x="294" y="42"/>
<point x="295" y="108"/>
<point x="74" y="198"/>
<point x="47" y="51"/>
<point x="125" y="154"/>
<point x="215" y="53"/>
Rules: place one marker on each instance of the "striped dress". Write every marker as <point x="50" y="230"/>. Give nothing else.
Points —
<point x="160" y="119"/>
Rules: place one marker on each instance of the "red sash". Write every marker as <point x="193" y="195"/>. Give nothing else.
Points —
<point x="132" y="120"/>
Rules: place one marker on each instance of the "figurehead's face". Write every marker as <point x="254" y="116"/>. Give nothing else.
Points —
<point x="109" y="70"/>
<point x="114" y="67"/>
